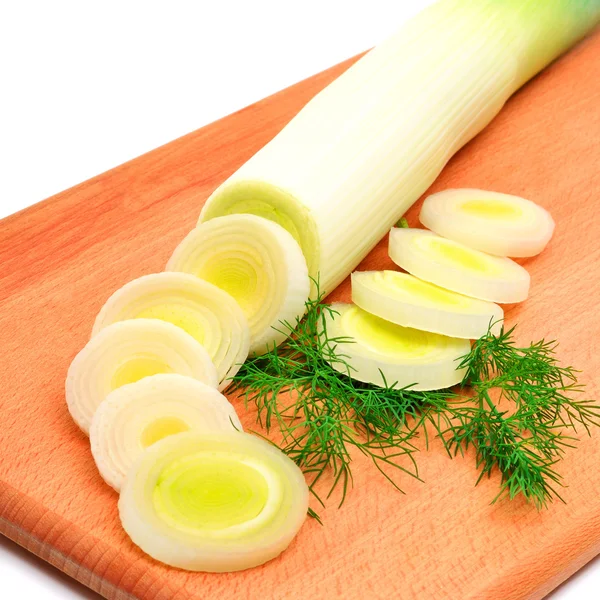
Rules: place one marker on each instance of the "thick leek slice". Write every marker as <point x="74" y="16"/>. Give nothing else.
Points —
<point x="139" y="414"/>
<point x="458" y="268"/>
<point x="495" y="223"/>
<point x="213" y="502"/>
<point x="363" y="150"/>
<point x="383" y="353"/>
<point x="206" y="312"/>
<point x="125" y="352"/>
<point x="405" y="300"/>
<point x="258" y="263"/>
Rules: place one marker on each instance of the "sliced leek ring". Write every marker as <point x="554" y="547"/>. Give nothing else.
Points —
<point x="383" y="353"/>
<point x="258" y="263"/>
<point x="455" y="267"/>
<point x="213" y="502"/>
<point x="495" y="223"/>
<point x="203" y="310"/>
<point x="139" y="414"/>
<point x="128" y="351"/>
<point x="405" y="300"/>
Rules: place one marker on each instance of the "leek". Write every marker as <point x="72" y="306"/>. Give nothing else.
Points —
<point x="126" y="352"/>
<point x="135" y="416"/>
<point x="201" y="309"/>
<point x="458" y="268"/>
<point x="258" y="263"/>
<point x="405" y="300"/>
<point x="360" y="153"/>
<point x="213" y="502"/>
<point x="388" y="355"/>
<point x="494" y="223"/>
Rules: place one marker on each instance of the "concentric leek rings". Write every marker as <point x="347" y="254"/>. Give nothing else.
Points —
<point x="213" y="502"/>
<point x="139" y="414"/>
<point x="125" y="352"/>
<point x="258" y="263"/>
<point x="203" y="310"/>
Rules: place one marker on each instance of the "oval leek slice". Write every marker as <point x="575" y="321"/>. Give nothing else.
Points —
<point x="128" y="351"/>
<point x="213" y="502"/>
<point x="455" y="267"/>
<point x="258" y="263"/>
<point x="201" y="309"/>
<point x="499" y="224"/>
<point x="137" y="415"/>
<point x="383" y="353"/>
<point x="405" y="300"/>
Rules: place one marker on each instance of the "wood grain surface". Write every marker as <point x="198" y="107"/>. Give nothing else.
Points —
<point x="61" y="259"/>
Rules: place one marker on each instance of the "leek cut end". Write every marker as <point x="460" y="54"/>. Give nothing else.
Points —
<point x="269" y="202"/>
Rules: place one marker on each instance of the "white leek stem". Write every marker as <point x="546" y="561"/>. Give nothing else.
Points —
<point x="359" y="154"/>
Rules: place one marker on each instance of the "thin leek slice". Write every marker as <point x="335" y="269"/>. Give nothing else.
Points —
<point x="494" y="223"/>
<point x="136" y="416"/>
<point x="213" y="502"/>
<point x="201" y="309"/>
<point x="258" y="263"/>
<point x="458" y="268"/>
<point x="366" y="147"/>
<point x="405" y="300"/>
<point x="126" y="352"/>
<point x="383" y="353"/>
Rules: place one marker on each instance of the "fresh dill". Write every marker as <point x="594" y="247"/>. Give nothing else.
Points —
<point x="540" y="407"/>
<point x="323" y="416"/>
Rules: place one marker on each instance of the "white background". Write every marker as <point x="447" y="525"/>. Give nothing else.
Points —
<point x="85" y="86"/>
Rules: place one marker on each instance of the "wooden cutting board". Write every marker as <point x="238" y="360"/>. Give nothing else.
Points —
<point x="61" y="258"/>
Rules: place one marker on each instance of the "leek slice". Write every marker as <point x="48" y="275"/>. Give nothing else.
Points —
<point x="383" y="353"/>
<point x="137" y="415"/>
<point x="494" y="223"/>
<point x="258" y="263"/>
<point x="405" y="300"/>
<point x="201" y="309"/>
<point x="213" y="502"/>
<point x="126" y="352"/>
<point x="364" y="149"/>
<point x="456" y="267"/>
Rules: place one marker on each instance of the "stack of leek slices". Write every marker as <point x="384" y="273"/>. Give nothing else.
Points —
<point x="412" y="328"/>
<point x="196" y="491"/>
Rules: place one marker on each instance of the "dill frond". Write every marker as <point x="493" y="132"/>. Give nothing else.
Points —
<point x="323" y="415"/>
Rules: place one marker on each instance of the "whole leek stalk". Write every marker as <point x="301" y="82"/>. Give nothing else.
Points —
<point x="363" y="150"/>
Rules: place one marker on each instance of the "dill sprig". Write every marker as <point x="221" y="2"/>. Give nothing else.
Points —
<point x="324" y="416"/>
<point x="529" y="436"/>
